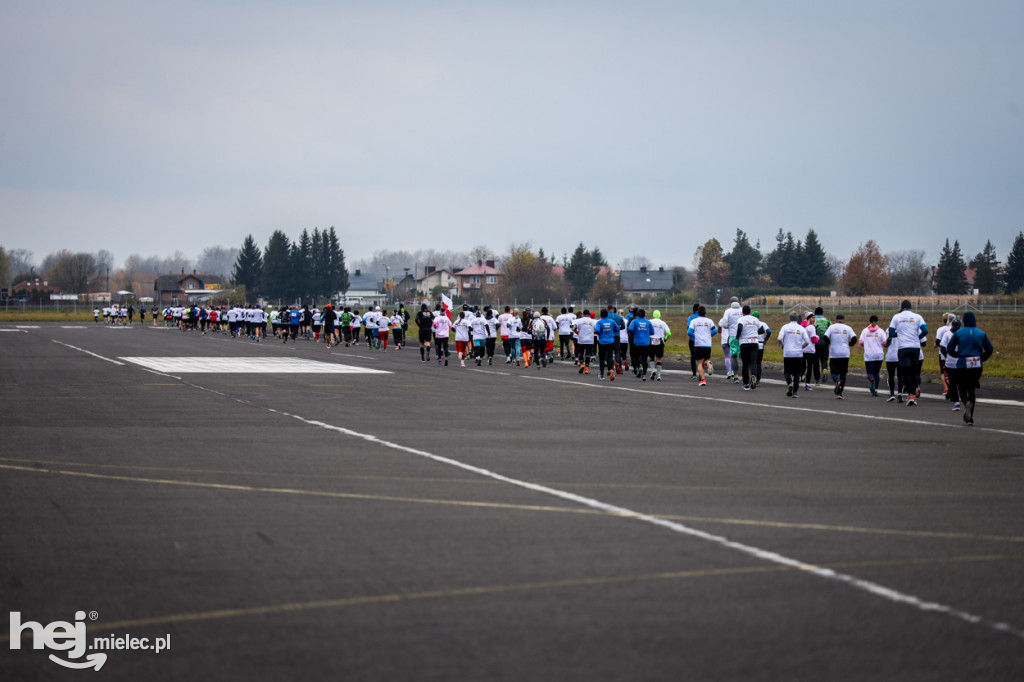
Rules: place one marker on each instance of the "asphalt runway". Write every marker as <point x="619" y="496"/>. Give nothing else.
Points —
<point x="303" y="519"/>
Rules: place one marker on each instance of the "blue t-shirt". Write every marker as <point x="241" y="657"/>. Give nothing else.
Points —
<point x="607" y="331"/>
<point x="640" y="327"/>
<point x="296" y="318"/>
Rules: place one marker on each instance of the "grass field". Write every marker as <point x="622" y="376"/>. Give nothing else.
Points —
<point x="1005" y="330"/>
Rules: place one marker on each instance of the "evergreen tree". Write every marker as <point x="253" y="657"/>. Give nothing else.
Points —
<point x="814" y="269"/>
<point x="337" y="272"/>
<point x="783" y="263"/>
<point x="301" y="280"/>
<point x="949" y="275"/>
<point x="986" y="271"/>
<point x="248" y="266"/>
<point x="744" y="261"/>
<point x="276" y="282"/>
<point x="1013" y="274"/>
<point x="597" y="258"/>
<point x="580" y="273"/>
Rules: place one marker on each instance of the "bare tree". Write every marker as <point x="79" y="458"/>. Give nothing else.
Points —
<point x="908" y="273"/>
<point x="217" y="260"/>
<point x="637" y="262"/>
<point x="74" y="272"/>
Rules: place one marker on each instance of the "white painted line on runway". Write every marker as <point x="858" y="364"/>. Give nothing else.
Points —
<point x="16" y="331"/>
<point x="74" y="326"/>
<point x="792" y="408"/>
<point x="26" y="326"/>
<point x="88" y="352"/>
<point x="750" y="550"/>
<point x="246" y="365"/>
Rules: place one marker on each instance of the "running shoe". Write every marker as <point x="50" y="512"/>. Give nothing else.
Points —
<point x="490" y="361"/>
<point x="753" y="382"/>
<point x="462" y="363"/>
<point x="969" y="412"/>
<point x="746" y="387"/>
<point x="807" y="387"/>
<point x="703" y="382"/>
<point x="956" y="406"/>
<point x="912" y="401"/>
<point x="839" y="396"/>
<point x="890" y="398"/>
<point x="586" y="370"/>
<point x="446" y="362"/>
<point x="581" y="369"/>
<point x="899" y="397"/>
<point x="789" y="391"/>
<point x="611" y="376"/>
<point x="711" y="369"/>
<point x="601" y="376"/>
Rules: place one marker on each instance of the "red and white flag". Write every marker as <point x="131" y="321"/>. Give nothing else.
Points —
<point x="447" y="303"/>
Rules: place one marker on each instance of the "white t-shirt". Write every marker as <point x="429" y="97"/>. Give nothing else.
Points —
<point x="564" y="322"/>
<point x="793" y="338"/>
<point x="750" y="328"/>
<point x="873" y="343"/>
<point x="703" y="328"/>
<point x="839" y="337"/>
<point x="503" y="322"/>
<point x="585" y="330"/>
<point x="729" y="321"/>
<point x="442" y="326"/>
<point x="908" y="326"/>
<point x="659" y="328"/>
<point x="479" y="326"/>
<point x="951" y="361"/>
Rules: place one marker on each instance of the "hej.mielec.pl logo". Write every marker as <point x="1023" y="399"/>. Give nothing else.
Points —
<point x="71" y="638"/>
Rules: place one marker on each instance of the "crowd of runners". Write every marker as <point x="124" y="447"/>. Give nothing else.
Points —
<point x="815" y="349"/>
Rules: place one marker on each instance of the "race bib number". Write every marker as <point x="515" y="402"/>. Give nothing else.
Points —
<point x="974" y="362"/>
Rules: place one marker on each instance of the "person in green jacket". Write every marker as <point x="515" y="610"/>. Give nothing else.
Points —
<point x="821" y="325"/>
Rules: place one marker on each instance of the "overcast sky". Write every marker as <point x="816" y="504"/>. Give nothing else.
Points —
<point x="640" y="128"/>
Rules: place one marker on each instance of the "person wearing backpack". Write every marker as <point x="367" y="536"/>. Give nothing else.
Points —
<point x="539" y="334"/>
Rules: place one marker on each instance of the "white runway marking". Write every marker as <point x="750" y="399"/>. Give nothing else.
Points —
<point x="17" y="331"/>
<point x="195" y="365"/>
<point x="87" y="352"/>
<point x="26" y="326"/>
<point x="750" y="550"/>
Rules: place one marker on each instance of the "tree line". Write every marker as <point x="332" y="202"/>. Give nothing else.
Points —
<point x="309" y="269"/>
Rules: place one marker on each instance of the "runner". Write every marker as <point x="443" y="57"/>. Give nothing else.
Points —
<point x="701" y="331"/>
<point x="949" y="361"/>
<point x="442" y="328"/>
<point x="607" y="331"/>
<point x="689" y="342"/>
<point x="873" y="339"/>
<point x="893" y="372"/>
<point x="491" y="320"/>
<point x="939" y="333"/>
<point x="585" y="327"/>
<point x="794" y="340"/>
<point x="811" y="365"/>
<point x="748" y="328"/>
<point x="821" y="325"/>
<point x="972" y="348"/>
<point x="764" y="332"/>
<point x="661" y="334"/>
<point x="641" y="329"/>
<point x="730" y="345"/>
<point x="841" y="338"/>
<point x="907" y="328"/>
<point x="564" y="322"/>
<point x="327" y="318"/>
<point x="478" y="327"/>
<point x="539" y="335"/>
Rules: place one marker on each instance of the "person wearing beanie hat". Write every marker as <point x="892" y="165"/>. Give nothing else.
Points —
<point x="794" y="339"/>
<point x="971" y="347"/>
<point x="661" y="334"/>
<point x="841" y="338"/>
